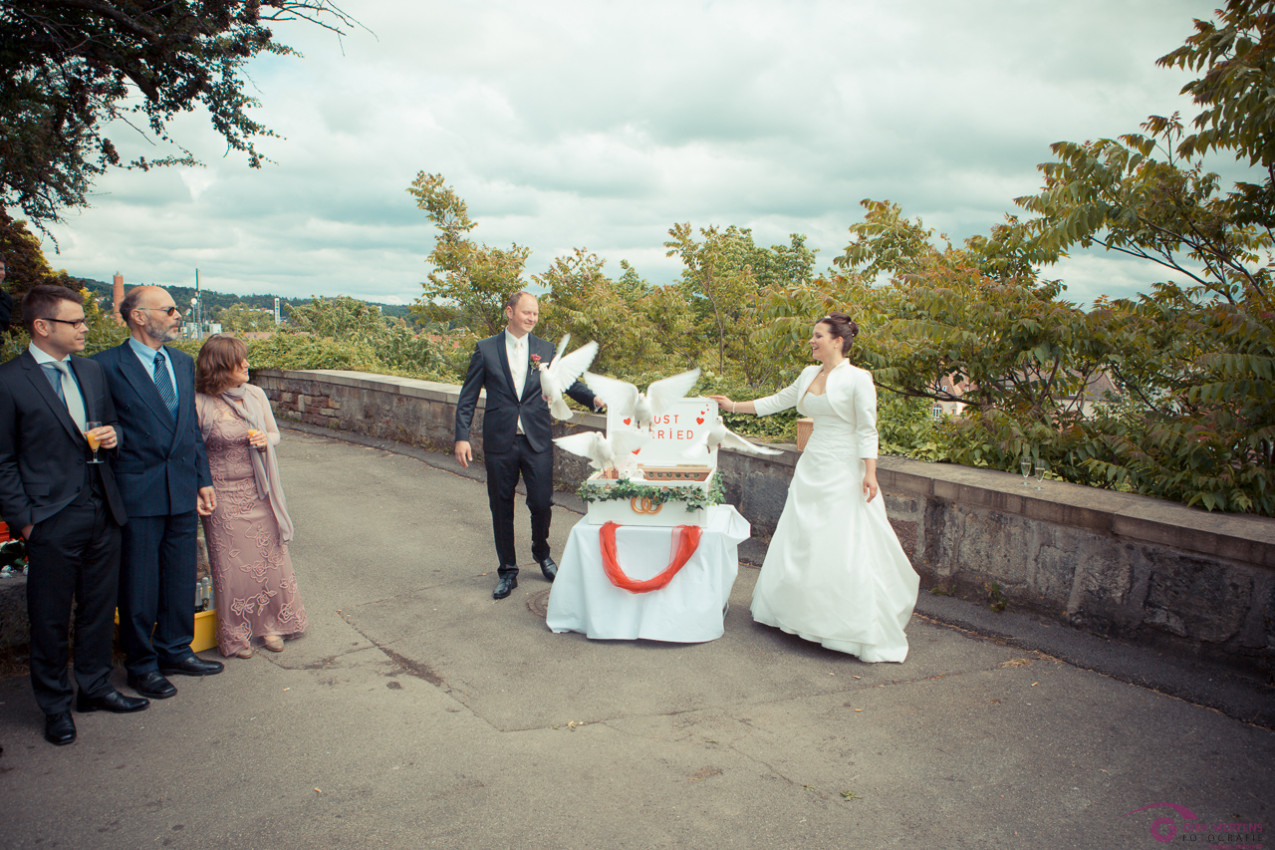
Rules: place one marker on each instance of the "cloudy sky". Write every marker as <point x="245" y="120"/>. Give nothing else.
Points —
<point x="600" y="124"/>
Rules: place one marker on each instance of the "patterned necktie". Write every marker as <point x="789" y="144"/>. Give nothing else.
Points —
<point x="519" y="366"/>
<point x="70" y="394"/>
<point x="164" y="384"/>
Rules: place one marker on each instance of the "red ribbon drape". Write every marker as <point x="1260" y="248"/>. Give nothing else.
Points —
<point x="687" y="543"/>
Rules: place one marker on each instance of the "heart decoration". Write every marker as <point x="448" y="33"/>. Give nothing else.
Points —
<point x="699" y="420"/>
<point x="628" y="420"/>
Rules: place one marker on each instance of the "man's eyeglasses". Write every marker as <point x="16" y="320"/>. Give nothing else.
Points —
<point x="172" y="311"/>
<point x="75" y="323"/>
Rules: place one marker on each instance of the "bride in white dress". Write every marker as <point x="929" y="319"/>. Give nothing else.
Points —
<point x="835" y="572"/>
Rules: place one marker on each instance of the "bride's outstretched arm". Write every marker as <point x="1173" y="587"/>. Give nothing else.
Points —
<point x="734" y="406"/>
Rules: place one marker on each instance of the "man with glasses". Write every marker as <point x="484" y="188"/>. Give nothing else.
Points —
<point x="163" y="477"/>
<point x="66" y="507"/>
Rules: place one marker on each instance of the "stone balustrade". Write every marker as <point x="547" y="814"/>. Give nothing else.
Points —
<point x="1156" y="573"/>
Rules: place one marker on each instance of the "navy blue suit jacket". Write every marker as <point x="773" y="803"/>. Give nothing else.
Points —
<point x="43" y="455"/>
<point x="162" y="463"/>
<point x="489" y="369"/>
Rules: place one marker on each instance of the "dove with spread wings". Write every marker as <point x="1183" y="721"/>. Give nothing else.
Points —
<point x="642" y="408"/>
<point x="604" y="452"/>
<point x="562" y="372"/>
<point x="719" y="435"/>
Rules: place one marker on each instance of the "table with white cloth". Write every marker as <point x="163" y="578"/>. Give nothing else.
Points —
<point x="689" y="609"/>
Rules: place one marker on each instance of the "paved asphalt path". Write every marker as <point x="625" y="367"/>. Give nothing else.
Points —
<point x="419" y="713"/>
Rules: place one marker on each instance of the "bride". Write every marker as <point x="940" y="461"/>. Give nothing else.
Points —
<point x="835" y="572"/>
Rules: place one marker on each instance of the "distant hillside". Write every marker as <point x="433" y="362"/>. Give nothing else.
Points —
<point x="215" y="302"/>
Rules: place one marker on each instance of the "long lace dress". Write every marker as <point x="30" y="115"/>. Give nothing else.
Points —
<point x="254" y="588"/>
<point x="835" y="573"/>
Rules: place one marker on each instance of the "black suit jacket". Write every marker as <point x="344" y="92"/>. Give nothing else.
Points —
<point x="42" y="452"/>
<point x="162" y="463"/>
<point x="489" y="369"/>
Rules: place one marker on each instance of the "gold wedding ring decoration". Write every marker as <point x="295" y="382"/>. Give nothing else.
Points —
<point x="644" y="506"/>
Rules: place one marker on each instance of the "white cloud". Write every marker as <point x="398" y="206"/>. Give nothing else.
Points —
<point x="600" y="124"/>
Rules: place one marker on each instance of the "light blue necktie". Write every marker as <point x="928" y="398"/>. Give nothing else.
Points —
<point x="164" y="384"/>
<point x="68" y="392"/>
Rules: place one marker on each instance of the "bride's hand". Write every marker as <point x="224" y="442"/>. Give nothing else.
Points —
<point x="870" y="488"/>
<point x="722" y="401"/>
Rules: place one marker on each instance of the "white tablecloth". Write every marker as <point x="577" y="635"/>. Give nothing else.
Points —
<point x="688" y="609"/>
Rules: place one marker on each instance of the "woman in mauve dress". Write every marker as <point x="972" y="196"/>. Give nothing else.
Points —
<point x="247" y="534"/>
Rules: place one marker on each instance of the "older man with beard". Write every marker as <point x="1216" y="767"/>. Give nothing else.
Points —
<point x="163" y="477"/>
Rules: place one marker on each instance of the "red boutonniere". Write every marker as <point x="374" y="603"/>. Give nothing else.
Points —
<point x="535" y="360"/>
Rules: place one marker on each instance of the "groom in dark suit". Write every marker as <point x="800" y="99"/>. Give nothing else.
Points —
<point x="67" y="508"/>
<point x="517" y="432"/>
<point x="164" y="479"/>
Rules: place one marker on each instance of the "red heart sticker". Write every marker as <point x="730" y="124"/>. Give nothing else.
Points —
<point x="699" y="420"/>
<point x="628" y="421"/>
<point x="635" y="451"/>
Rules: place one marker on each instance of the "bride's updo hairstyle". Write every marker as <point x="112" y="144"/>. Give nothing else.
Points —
<point x="842" y="327"/>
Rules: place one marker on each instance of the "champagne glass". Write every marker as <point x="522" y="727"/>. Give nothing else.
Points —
<point x="1041" y="469"/>
<point x="1026" y="467"/>
<point x="92" y="438"/>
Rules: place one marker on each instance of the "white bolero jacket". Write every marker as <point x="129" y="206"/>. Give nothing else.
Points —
<point x="853" y="397"/>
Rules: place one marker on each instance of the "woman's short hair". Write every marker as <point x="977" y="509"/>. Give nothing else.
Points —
<point x="842" y="327"/>
<point x="41" y="302"/>
<point x="219" y="357"/>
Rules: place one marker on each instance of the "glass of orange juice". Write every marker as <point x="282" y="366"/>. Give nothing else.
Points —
<point x="252" y="433"/>
<point x="89" y="428"/>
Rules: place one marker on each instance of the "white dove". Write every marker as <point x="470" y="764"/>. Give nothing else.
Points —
<point x="602" y="451"/>
<point x="719" y="435"/>
<point x="626" y="400"/>
<point x="561" y="372"/>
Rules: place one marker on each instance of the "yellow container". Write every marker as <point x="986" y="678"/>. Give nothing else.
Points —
<point x="205" y="631"/>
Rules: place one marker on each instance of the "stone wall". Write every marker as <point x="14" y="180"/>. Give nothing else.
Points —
<point x="1126" y="566"/>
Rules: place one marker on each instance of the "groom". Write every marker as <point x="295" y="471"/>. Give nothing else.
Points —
<point x="517" y="432"/>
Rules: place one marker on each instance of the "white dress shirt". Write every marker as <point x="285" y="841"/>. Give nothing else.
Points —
<point x="518" y="352"/>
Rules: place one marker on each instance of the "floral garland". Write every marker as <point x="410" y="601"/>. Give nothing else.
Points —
<point x="695" y="498"/>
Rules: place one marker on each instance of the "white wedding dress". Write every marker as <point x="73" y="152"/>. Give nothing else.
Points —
<point x="835" y="572"/>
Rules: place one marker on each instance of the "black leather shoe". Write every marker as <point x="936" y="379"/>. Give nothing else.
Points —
<point x="152" y="685"/>
<point x="192" y="665"/>
<point x="110" y="701"/>
<point x="59" y="728"/>
<point x="504" y="587"/>
<point x="549" y="568"/>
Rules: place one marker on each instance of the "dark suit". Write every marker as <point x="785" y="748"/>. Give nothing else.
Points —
<point x="506" y="454"/>
<point x="161" y="466"/>
<point x="76" y="510"/>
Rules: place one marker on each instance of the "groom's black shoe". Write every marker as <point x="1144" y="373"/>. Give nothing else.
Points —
<point x="505" y="586"/>
<point x="549" y="568"/>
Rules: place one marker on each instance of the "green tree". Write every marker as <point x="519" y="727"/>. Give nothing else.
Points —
<point x="470" y="282"/>
<point x="342" y="317"/>
<point x="242" y="318"/>
<point x="723" y="276"/>
<point x="582" y="301"/>
<point x="69" y="68"/>
<point x="1238" y="115"/>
